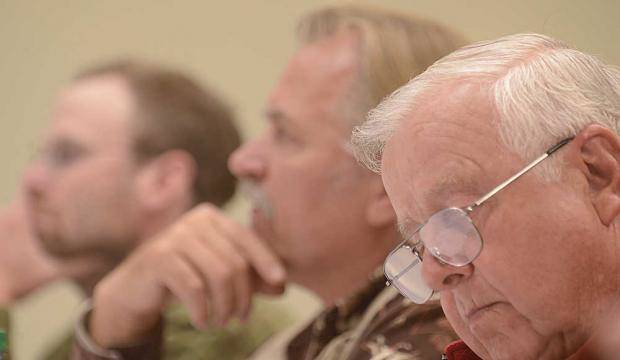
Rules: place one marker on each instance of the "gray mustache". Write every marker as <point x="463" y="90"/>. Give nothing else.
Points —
<point x="257" y="197"/>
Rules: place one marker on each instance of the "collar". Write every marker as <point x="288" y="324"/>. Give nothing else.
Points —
<point x="458" y="350"/>
<point x="335" y="320"/>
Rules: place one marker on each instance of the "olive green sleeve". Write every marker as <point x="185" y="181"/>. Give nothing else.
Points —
<point x="61" y="350"/>
<point x="236" y="341"/>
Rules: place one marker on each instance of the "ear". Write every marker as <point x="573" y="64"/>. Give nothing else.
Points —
<point x="166" y="181"/>
<point x="599" y="154"/>
<point x="379" y="210"/>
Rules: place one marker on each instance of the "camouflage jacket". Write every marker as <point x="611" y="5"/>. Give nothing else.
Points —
<point x="374" y="324"/>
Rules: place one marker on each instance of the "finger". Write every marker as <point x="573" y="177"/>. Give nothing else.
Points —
<point x="261" y="257"/>
<point x="187" y="285"/>
<point x="217" y="275"/>
<point x="265" y="288"/>
<point x="241" y="272"/>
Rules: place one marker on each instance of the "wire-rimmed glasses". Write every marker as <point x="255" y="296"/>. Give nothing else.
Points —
<point x="449" y="235"/>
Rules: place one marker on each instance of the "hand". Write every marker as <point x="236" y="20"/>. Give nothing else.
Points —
<point x="24" y="265"/>
<point x="207" y="261"/>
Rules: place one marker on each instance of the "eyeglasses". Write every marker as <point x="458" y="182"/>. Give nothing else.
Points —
<point x="449" y="235"/>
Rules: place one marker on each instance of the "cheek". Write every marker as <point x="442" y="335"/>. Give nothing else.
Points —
<point x="296" y="212"/>
<point x="529" y="261"/>
<point x="91" y="198"/>
<point x="63" y="196"/>
<point x="306" y="193"/>
<point x="450" y="310"/>
<point x="297" y="186"/>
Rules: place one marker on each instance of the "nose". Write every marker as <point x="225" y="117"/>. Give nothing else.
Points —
<point x="248" y="161"/>
<point x="440" y="276"/>
<point x="34" y="180"/>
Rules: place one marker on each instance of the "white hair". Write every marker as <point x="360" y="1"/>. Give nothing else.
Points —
<point x="542" y="90"/>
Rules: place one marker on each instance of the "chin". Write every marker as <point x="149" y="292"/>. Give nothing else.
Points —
<point x="461" y="327"/>
<point x="510" y="338"/>
<point x="54" y="245"/>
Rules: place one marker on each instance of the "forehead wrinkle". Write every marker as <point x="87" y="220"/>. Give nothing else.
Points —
<point x="441" y="127"/>
<point x="455" y="112"/>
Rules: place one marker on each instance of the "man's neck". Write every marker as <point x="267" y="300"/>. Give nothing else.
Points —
<point x="346" y="275"/>
<point x="87" y="276"/>
<point x="339" y="286"/>
<point x="604" y="343"/>
<point x="94" y="271"/>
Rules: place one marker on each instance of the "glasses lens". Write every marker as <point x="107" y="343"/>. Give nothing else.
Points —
<point x="451" y="237"/>
<point x="404" y="270"/>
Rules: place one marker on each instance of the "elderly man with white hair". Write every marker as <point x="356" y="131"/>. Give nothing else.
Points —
<point x="524" y="252"/>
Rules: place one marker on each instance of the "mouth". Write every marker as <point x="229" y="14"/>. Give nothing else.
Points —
<point x="475" y="314"/>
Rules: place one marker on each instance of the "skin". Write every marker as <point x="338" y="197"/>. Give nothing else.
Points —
<point x="322" y="206"/>
<point x="542" y="280"/>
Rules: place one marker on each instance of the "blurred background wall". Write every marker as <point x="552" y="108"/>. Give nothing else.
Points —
<point x="238" y="47"/>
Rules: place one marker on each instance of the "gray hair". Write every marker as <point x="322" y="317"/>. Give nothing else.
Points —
<point x="393" y="48"/>
<point x="542" y="90"/>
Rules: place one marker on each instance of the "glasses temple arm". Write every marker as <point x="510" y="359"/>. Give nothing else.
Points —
<point x="529" y="166"/>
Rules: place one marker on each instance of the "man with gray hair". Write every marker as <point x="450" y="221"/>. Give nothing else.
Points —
<point x="319" y="219"/>
<point x="529" y="268"/>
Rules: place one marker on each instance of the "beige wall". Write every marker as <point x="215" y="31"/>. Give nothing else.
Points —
<point x="238" y="46"/>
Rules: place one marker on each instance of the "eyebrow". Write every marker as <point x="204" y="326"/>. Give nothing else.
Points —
<point x="462" y="177"/>
<point x="278" y="116"/>
<point x="449" y="185"/>
<point x="438" y="196"/>
<point x="63" y="142"/>
<point x="281" y="119"/>
<point x="272" y="114"/>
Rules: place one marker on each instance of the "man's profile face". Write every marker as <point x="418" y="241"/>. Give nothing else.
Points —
<point x="79" y="189"/>
<point x="300" y="164"/>
<point x="531" y="293"/>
